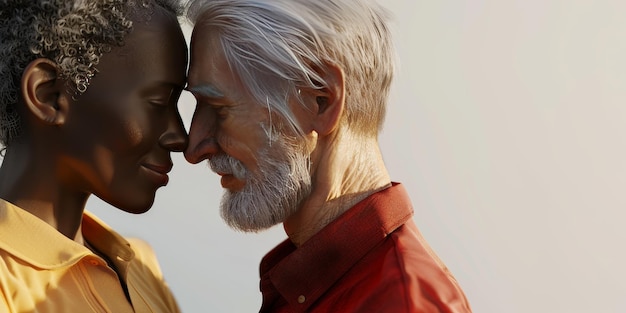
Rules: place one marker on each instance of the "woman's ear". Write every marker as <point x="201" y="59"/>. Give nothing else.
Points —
<point x="44" y="92"/>
<point x="328" y="102"/>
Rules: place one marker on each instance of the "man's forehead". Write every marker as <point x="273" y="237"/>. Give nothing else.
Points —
<point x="204" y="76"/>
<point x="204" y="36"/>
<point x="207" y="65"/>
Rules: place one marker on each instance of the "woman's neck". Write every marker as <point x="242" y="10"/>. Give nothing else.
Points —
<point x="31" y="183"/>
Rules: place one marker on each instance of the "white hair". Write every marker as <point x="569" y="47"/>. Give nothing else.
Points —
<point x="278" y="46"/>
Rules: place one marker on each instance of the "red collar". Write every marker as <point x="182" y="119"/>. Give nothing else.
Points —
<point x="314" y="267"/>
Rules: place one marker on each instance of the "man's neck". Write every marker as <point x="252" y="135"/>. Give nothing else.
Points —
<point x="344" y="175"/>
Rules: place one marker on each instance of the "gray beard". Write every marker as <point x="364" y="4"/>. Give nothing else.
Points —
<point x="269" y="196"/>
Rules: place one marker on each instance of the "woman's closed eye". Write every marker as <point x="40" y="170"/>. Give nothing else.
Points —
<point x="162" y="96"/>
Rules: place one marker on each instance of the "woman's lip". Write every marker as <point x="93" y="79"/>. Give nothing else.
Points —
<point x="158" y="173"/>
<point x="161" y="169"/>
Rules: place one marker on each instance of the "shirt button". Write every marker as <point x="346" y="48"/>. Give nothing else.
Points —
<point x="301" y="299"/>
<point x="94" y="262"/>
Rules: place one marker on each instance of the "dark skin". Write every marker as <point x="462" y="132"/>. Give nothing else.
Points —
<point x="114" y="141"/>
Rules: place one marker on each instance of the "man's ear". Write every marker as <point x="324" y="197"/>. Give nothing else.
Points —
<point x="44" y="92"/>
<point x="328" y="102"/>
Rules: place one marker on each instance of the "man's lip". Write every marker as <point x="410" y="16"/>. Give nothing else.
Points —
<point x="229" y="181"/>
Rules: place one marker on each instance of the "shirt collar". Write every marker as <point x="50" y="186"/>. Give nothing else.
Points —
<point x="36" y="242"/>
<point x="330" y="253"/>
<point x="108" y="242"/>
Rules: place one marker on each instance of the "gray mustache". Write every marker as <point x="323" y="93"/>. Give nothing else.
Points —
<point x="225" y="164"/>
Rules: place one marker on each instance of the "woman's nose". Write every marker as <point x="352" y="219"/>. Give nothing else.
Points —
<point x="175" y="138"/>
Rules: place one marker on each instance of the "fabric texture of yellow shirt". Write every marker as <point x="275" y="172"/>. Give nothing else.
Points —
<point x="41" y="270"/>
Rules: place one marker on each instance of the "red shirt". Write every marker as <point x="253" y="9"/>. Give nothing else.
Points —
<point x="371" y="259"/>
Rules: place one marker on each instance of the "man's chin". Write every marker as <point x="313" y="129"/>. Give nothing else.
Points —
<point x="246" y="227"/>
<point x="239" y="218"/>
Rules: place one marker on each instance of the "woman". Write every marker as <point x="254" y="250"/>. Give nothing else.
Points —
<point x="88" y="93"/>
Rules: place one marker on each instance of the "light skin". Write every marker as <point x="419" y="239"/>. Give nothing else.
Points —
<point x="345" y="168"/>
<point x="113" y="141"/>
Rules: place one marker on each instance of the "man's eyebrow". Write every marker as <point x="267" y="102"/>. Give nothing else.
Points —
<point x="205" y="91"/>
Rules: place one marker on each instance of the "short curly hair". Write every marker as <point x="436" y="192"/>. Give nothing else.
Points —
<point x="72" y="33"/>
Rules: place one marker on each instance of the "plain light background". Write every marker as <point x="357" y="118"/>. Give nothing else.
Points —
<point x="506" y="125"/>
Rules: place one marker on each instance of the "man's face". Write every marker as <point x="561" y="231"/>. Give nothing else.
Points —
<point x="121" y="131"/>
<point x="265" y="172"/>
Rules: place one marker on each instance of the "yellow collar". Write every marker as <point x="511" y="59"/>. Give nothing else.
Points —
<point x="39" y="244"/>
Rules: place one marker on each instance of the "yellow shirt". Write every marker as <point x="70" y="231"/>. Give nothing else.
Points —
<point x="41" y="270"/>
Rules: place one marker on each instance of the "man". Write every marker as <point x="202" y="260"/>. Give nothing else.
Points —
<point x="291" y="97"/>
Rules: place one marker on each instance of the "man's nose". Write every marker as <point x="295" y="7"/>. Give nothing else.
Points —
<point x="202" y="144"/>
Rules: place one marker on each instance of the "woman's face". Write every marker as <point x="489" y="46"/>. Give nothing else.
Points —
<point x="121" y="131"/>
